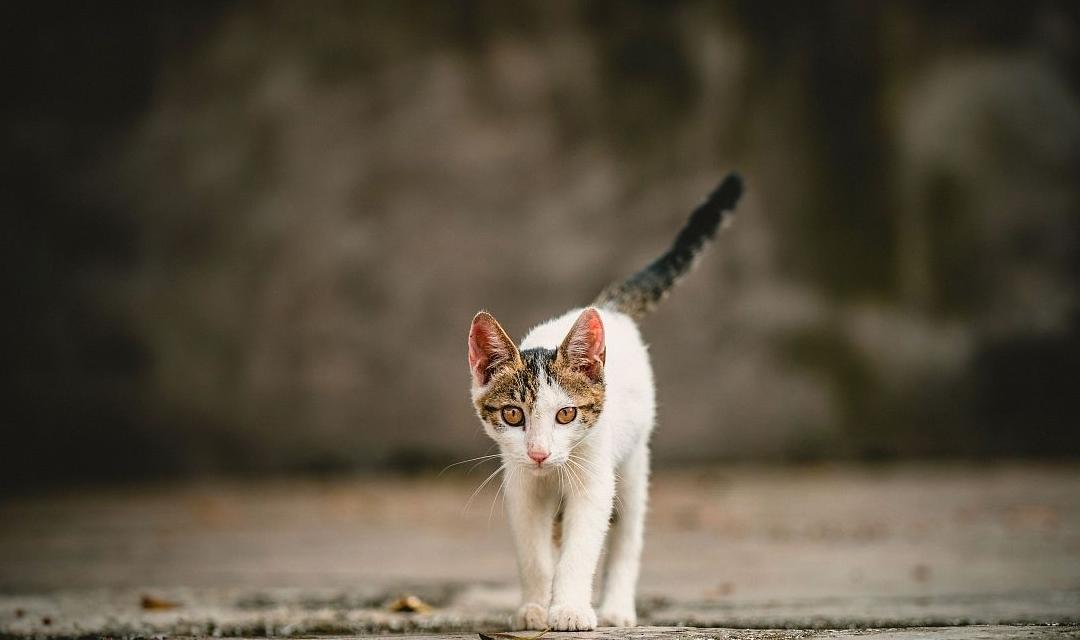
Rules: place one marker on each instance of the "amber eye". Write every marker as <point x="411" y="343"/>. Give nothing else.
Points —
<point x="513" y="416"/>
<point x="566" y="415"/>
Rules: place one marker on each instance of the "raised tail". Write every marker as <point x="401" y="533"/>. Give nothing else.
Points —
<point x="640" y="293"/>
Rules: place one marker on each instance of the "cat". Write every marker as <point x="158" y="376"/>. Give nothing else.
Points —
<point x="571" y="410"/>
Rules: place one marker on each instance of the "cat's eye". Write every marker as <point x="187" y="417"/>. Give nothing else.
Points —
<point x="513" y="416"/>
<point x="566" y="415"/>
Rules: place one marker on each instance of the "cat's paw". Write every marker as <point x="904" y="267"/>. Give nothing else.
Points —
<point x="530" y="616"/>
<point x="566" y="617"/>
<point x="617" y="617"/>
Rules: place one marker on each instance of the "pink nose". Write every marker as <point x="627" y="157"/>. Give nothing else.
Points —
<point x="539" y="456"/>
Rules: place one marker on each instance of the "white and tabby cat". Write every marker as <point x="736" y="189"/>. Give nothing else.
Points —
<point x="571" y="410"/>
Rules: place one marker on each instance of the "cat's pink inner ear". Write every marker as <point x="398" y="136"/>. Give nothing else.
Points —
<point x="584" y="346"/>
<point x="489" y="347"/>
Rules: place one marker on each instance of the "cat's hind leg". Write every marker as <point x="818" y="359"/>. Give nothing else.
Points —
<point x="625" y="541"/>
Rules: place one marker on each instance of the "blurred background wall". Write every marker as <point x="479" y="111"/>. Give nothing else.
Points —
<point x="249" y="236"/>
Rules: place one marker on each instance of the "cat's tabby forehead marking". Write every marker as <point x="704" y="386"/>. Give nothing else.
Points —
<point x="520" y="383"/>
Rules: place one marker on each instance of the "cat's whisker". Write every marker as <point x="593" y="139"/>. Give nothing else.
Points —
<point x="582" y="441"/>
<point x="507" y="477"/>
<point x="481" y="487"/>
<point x="590" y="475"/>
<point x="578" y="471"/>
<point x="491" y="509"/>
<point x="570" y="462"/>
<point x="473" y="468"/>
<point x="482" y="459"/>
<point x="589" y="468"/>
<point x="574" y="475"/>
<point x="591" y="465"/>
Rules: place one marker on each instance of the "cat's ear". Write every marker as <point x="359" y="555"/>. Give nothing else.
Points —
<point x="584" y="349"/>
<point x="490" y="348"/>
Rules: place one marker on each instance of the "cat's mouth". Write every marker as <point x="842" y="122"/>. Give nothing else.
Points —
<point x="541" y="468"/>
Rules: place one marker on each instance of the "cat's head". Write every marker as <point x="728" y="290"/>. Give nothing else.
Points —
<point x="537" y="404"/>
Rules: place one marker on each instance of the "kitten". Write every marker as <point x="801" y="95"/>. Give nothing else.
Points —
<point x="571" y="410"/>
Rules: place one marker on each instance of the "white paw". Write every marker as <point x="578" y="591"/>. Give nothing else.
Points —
<point x="530" y="616"/>
<point x="565" y="617"/>
<point x="617" y="617"/>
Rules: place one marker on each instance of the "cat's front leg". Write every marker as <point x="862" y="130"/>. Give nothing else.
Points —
<point x="531" y="511"/>
<point x="585" y="522"/>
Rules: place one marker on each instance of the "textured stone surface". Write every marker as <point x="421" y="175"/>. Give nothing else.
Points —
<point x="797" y="549"/>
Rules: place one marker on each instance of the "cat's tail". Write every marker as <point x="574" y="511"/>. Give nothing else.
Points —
<point x="640" y="293"/>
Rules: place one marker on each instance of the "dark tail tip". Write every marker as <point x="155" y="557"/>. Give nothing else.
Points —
<point x="726" y="195"/>
<point x="706" y="219"/>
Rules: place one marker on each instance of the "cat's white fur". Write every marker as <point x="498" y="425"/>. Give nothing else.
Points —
<point x="589" y="471"/>
<point x="584" y="470"/>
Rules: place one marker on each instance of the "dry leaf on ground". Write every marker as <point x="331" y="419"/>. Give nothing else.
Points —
<point x="151" y="603"/>
<point x="409" y="604"/>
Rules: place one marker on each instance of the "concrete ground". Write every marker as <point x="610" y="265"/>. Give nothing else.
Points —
<point x="939" y="551"/>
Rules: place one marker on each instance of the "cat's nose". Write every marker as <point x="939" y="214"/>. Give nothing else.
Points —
<point x="538" y="456"/>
